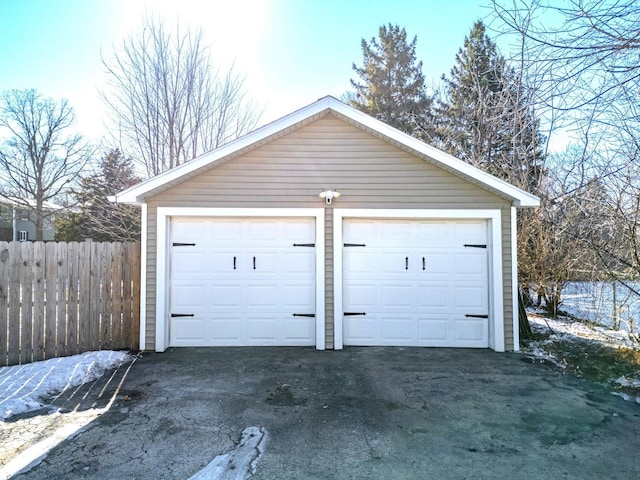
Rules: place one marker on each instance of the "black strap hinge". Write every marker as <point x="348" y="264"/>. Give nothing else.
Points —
<point x="351" y="314"/>
<point x="304" y="314"/>
<point x="174" y="315"/>
<point x="354" y="245"/>
<point x="304" y="244"/>
<point x="474" y="245"/>
<point x="178" y="244"/>
<point x="476" y="316"/>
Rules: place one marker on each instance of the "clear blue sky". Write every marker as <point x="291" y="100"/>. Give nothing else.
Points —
<point x="291" y="52"/>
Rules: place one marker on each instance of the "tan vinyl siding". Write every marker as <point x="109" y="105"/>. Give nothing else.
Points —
<point x="506" y="278"/>
<point x="150" y="328"/>
<point x="328" y="153"/>
<point x="328" y="278"/>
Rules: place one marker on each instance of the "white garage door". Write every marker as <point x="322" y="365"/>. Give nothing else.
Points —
<point x="241" y="282"/>
<point x="415" y="283"/>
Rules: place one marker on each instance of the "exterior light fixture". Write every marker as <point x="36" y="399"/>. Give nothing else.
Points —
<point x="329" y="195"/>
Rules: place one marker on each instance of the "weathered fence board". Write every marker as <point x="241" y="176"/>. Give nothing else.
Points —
<point x="4" y="296"/>
<point x="59" y="299"/>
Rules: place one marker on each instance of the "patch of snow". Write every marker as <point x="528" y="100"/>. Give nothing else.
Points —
<point x="627" y="382"/>
<point x="239" y="463"/>
<point x="605" y="303"/>
<point x="567" y="330"/>
<point x="23" y="388"/>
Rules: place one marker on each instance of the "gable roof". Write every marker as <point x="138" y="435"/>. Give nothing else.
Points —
<point x="138" y="194"/>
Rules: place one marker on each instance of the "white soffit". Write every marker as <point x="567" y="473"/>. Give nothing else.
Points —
<point x="138" y="193"/>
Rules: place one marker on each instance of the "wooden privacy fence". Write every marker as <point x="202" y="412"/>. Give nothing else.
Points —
<point x="59" y="299"/>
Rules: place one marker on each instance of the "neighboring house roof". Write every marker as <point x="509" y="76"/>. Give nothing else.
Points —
<point x="29" y="203"/>
<point x="140" y="192"/>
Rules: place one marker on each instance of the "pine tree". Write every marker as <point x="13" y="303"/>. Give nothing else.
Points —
<point x="391" y="83"/>
<point x="96" y="217"/>
<point x="485" y="118"/>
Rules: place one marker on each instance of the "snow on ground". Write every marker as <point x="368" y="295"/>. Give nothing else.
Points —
<point x="567" y="330"/>
<point x="604" y="303"/>
<point x="24" y="387"/>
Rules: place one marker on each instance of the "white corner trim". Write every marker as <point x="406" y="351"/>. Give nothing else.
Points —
<point x="164" y="215"/>
<point x="494" y="219"/>
<point x="514" y="279"/>
<point x="143" y="276"/>
<point x="496" y="296"/>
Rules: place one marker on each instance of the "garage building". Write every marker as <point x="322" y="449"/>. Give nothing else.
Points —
<point x="328" y="228"/>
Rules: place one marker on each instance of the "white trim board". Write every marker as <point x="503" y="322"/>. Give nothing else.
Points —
<point x="143" y="277"/>
<point x="164" y="215"/>
<point x="496" y="295"/>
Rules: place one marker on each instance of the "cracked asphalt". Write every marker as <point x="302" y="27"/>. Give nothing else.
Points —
<point x="360" y="413"/>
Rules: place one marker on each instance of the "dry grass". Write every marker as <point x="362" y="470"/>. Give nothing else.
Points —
<point x="593" y="360"/>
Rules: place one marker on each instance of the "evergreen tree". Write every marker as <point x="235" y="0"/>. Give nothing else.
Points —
<point x="391" y="84"/>
<point x="96" y="217"/>
<point x="485" y="118"/>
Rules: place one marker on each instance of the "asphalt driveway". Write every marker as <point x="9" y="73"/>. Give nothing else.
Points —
<point x="361" y="413"/>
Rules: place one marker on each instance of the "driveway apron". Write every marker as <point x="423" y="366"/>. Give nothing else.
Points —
<point x="359" y="413"/>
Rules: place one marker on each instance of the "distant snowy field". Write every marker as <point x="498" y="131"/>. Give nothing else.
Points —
<point x="602" y="303"/>
<point x="24" y="387"/>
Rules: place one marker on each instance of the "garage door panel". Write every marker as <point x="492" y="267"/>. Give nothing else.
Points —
<point x="362" y="330"/>
<point x="262" y="296"/>
<point x="298" y="297"/>
<point x="470" y="264"/>
<point x="297" y="261"/>
<point x="359" y="296"/>
<point x="225" y="297"/>
<point x="470" y="299"/>
<point x="298" y="329"/>
<point x="188" y="331"/>
<point x="435" y="264"/>
<point x="393" y="233"/>
<point x="226" y="329"/>
<point x="432" y="329"/>
<point x="404" y="303"/>
<point x="189" y="264"/>
<point x="250" y="304"/>
<point x="396" y="263"/>
<point x="226" y="262"/>
<point x="261" y="329"/>
<point x="433" y="297"/>
<point x="397" y="297"/>
<point x="433" y="235"/>
<point x="224" y="233"/>
<point x="470" y="233"/>
<point x="361" y="262"/>
<point x="187" y="230"/>
<point x="189" y="297"/>
<point x="398" y="329"/>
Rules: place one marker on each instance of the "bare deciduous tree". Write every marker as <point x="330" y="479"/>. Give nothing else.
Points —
<point x="39" y="157"/>
<point x="585" y="51"/>
<point x="168" y="103"/>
